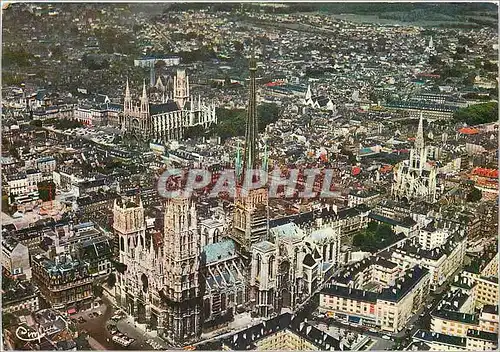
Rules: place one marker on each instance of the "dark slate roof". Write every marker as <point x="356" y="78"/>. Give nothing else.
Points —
<point x="440" y="338"/>
<point x="404" y="284"/>
<point x="40" y="95"/>
<point x="491" y="309"/>
<point x="296" y="218"/>
<point x="430" y="227"/>
<point x="96" y="248"/>
<point x="383" y="219"/>
<point x="408" y="222"/>
<point x="157" y="109"/>
<point x="93" y="183"/>
<point x="482" y="335"/>
<point x="246" y="339"/>
<point x="307" y="217"/>
<point x="308" y="260"/>
<point x="350" y="293"/>
<point x="113" y="106"/>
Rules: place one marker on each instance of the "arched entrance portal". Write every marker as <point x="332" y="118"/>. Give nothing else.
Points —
<point x="286" y="298"/>
<point x="141" y="313"/>
<point x="153" y="321"/>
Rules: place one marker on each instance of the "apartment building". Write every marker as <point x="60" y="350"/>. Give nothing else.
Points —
<point x="283" y="332"/>
<point x="489" y="319"/>
<point x="16" y="259"/>
<point x="442" y="261"/>
<point x="389" y="308"/>
<point x="64" y="282"/>
<point x="473" y="341"/>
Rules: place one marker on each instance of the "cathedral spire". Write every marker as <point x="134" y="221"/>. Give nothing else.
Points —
<point x="308" y="94"/>
<point x="238" y="160"/>
<point x="144" y="101"/>
<point x="419" y="139"/>
<point x="127" y="90"/>
<point x="144" y="92"/>
<point x="251" y="151"/>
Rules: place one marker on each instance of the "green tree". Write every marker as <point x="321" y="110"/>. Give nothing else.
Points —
<point x="359" y="240"/>
<point x="474" y="195"/>
<point x="372" y="226"/>
<point x="195" y="132"/>
<point x="477" y="114"/>
<point x="8" y="319"/>
<point x="46" y="190"/>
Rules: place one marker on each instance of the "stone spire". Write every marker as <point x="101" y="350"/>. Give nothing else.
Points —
<point x="238" y="160"/>
<point x="419" y="139"/>
<point x="144" y="91"/>
<point x="144" y="101"/>
<point x="127" y="90"/>
<point x="127" y="102"/>
<point x="251" y="135"/>
<point x="308" y="94"/>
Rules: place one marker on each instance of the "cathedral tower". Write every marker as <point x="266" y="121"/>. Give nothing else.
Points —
<point x="251" y="206"/>
<point x="418" y="155"/>
<point x="181" y="88"/>
<point x="415" y="179"/>
<point x="183" y="285"/>
<point x="127" y="101"/>
<point x="129" y="230"/>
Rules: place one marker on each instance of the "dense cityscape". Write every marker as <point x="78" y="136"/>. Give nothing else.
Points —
<point x="250" y="176"/>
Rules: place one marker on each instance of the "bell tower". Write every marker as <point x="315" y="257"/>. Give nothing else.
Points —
<point x="129" y="230"/>
<point x="127" y="101"/>
<point x="183" y="286"/>
<point x="181" y="88"/>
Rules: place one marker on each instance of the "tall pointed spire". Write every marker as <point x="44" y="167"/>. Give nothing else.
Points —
<point x="127" y="101"/>
<point x="238" y="160"/>
<point x="144" y="101"/>
<point x="308" y="93"/>
<point x="144" y="91"/>
<point x="127" y="90"/>
<point x="419" y="139"/>
<point x="251" y="152"/>
<point x="265" y="158"/>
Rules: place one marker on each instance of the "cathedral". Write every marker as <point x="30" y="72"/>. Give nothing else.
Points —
<point x="161" y="283"/>
<point x="167" y="116"/>
<point x="415" y="179"/>
<point x="182" y="275"/>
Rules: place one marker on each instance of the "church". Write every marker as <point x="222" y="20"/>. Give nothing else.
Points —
<point x="416" y="179"/>
<point x="182" y="275"/>
<point x="167" y="116"/>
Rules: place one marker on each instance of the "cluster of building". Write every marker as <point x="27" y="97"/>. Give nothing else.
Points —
<point x="466" y="319"/>
<point x="357" y="99"/>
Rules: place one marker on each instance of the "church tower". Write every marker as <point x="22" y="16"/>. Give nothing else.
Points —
<point x="127" y="101"/>
<point x="414" y="178"/>
<point x="418" y="155"/>
<point x="181" y="88"/>
<point x="129" y="230"/>
<point x="251" y="205"/>
<point x="144" y="113"/>
<point x="183" y="285"/>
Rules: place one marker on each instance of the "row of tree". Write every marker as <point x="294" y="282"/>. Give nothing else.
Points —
<point x="375" y="237"/>
<point x="232" y="122"/>
<point x="477" y="114"/>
